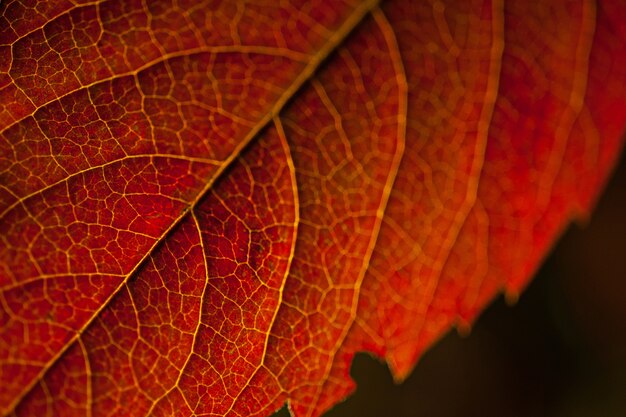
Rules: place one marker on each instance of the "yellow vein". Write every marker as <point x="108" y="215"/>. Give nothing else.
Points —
<point x="483" y="128"/>
<point x="398" y="65"/>
<point x="292" y="172"/>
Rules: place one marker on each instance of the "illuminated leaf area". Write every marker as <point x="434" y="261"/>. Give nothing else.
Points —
<point x="207" y="208"/>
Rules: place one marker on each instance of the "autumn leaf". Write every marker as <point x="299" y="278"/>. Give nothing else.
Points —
<point x="206" y="208"/>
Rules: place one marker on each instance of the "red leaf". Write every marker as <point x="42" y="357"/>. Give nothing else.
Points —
<point x="209" y="208"/>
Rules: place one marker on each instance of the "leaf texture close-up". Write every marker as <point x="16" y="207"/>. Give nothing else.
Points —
<point x="207" y="208"/>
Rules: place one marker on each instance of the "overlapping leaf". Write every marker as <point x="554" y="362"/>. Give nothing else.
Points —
<point x="207" y="209"/>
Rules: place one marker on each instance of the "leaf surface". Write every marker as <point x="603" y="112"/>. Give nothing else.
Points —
<point x="207" y="209"/>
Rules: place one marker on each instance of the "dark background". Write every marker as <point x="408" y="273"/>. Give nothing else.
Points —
<point x="560" y="351"/>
